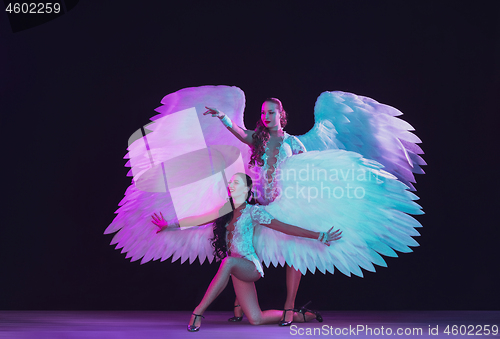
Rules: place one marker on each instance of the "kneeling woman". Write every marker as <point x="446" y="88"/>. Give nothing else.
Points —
<point x="233" y="244"/>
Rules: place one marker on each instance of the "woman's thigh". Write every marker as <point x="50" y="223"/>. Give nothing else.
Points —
<point x="244" y="270"/>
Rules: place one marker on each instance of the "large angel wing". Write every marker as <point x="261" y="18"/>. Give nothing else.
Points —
<point x="180" y="164"/>
<point x="341" y="189"/>
<point x="355" y="123"/>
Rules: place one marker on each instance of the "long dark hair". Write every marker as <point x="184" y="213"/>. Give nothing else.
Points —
<point x="219" y="239"/>
<point x="261" y="135"/>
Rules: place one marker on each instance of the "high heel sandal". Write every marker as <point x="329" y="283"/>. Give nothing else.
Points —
<point x="283" y="322"/>
<point x="235" y="318"/>
<point x="303" y="310"/>
<point x="192" y="328"/>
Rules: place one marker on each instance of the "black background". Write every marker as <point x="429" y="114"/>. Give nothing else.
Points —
<point x="74" y="89"/>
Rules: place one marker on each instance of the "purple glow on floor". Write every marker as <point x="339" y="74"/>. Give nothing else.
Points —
<point x="158" y="324"/>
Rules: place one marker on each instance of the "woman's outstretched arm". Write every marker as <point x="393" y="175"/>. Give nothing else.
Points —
<point x="324" y="237"/>
<point x="244" y="135"/>
<point x="196" y="220"/>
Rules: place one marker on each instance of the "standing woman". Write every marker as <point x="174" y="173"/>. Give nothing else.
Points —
<point x="233" y="244"/>
<point x="270" y="145"/>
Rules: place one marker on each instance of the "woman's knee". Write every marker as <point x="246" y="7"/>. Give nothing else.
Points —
<point x="255" y="320"/>
<point x="227" y="263"/>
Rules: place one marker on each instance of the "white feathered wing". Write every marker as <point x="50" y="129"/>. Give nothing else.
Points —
<point x="341" y="189"/>
<point x="360" y="124"/>
<point x="175" y="174"/>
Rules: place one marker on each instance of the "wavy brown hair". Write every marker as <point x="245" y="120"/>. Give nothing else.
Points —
<point x="261" y="135"/>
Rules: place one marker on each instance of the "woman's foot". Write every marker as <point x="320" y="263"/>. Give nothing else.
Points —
<point x="238" y="314"/>
<point x="195" y="322"/>
<point x="287" y="318"/>
<point x="309" y="315"/>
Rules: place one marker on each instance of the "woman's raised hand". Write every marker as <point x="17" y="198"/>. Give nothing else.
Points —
<point x="160" y="222"/>
<point x="215" y="112"/>
<point x="333" y="236"/>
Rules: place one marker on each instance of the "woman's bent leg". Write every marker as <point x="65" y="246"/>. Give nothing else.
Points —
<point x="244" y="275"/>
<point x="219" y="282"/>
<point x="247" y="296"/>
<point x="292" y="286"/>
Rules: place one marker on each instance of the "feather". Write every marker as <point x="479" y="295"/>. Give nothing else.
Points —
<point x="375" y="221"/>
<point x="363" y="125"/>
<point x="177" y="167"/>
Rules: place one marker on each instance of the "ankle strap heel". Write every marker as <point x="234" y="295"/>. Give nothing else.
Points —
<point x="235" y="318"/>
<point x="192" y="328"/>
